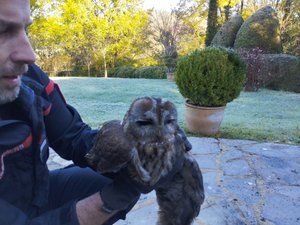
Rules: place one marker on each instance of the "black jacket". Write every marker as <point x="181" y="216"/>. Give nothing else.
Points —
<point x="38" y="118"/>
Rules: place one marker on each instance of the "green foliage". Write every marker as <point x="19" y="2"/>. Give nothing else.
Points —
<point x="89" y="32"/>
<point x="225" y="36"/>
<point x="81" y="71"/>
<point x="260" y="30"/>
<point x="122" y="72"/>
<point x="151" y="72"/>
<point x="103" y="34"/>
<point x="210" y="76"/>
<point x="281" y="72"/>
<point x="226" y="8"/>
<point x="264" y="115"/>
<point x="170" y="58"/>
<point x="290" y="23"/>
<point x="212" y="21"/>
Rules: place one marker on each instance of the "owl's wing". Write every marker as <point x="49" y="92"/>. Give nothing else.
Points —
<point x="180" y="134"/>
<point x="111" y="150"/>
<point x="192" y="173"/>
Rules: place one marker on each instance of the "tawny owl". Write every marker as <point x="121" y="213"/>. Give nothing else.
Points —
<point x="112" y="154"/>
<point x="151" y="143"/>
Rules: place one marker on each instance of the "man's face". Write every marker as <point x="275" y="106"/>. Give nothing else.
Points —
<point x="15" y="50"/>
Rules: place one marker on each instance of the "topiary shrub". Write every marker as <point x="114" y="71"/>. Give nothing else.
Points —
<point x="281" y="72"/>
<point x="260" y="30"/>
<point x="211" y="76"/>
<point x="226" y="34"/>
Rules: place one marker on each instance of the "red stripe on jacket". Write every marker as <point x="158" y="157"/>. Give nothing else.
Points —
<point x="24" y="144"/>
<point x="50" y="87"/>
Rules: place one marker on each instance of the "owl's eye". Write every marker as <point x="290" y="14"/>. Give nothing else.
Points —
<point x="169" y="121"/>
<point x="144" y="122"/>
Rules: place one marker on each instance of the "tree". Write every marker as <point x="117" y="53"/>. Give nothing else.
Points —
<point x="212" y="21"/>
<point x="46" y="36"/>
<point x="177" y="32"/>
<point x="164" y="29"/>
<point x="226" y="9"/>
<point x="193" y="14"/>
<point x="289" y="13"/>
<point x="93" y="36"/>
<point x="88" y="32"/>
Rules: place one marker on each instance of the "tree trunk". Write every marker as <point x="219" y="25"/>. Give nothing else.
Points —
<point x="105" y="66"/>
<point x="242" y="7"/>
<point x="89" y="69"/>
<point x="212" y="21"/>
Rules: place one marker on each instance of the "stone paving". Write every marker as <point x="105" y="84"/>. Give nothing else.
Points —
<point x="246" y="182"/>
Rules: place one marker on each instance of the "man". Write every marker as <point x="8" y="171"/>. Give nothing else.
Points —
<point x="33" y="115"/>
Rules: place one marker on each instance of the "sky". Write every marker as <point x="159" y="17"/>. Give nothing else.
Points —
<point x="160" y="4"/>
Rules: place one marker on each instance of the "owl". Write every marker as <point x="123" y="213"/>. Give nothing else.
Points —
<point x="112" y="154"/>
<point x="151" y="144"/>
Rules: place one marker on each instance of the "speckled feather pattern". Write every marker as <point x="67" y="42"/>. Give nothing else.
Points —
<point x="150" y="142"/>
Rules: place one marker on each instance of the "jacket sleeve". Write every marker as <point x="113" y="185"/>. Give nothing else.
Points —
<point x="67" y="134"/>
<point x="65" y="215"/>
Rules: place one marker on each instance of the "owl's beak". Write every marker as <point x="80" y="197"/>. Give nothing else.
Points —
<point x="90" y="157"/>
<point x="160" y="133"/>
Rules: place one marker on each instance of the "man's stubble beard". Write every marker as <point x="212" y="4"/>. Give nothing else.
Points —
<point x="10" y="94"/>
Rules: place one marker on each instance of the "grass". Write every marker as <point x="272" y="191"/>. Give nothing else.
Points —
<point x="262" y="116"/>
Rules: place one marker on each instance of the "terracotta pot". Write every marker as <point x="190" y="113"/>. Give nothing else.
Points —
<point x="170" y="76"/>
<point x="203" y="120"/>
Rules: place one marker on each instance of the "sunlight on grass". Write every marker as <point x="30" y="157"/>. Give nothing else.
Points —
<point x="264" y="116"/>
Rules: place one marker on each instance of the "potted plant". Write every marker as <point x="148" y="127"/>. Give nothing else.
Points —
<point x="170" y="59"/>
<point x="209" y="78"/>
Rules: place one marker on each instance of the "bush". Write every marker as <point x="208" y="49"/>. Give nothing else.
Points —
<point x="80" y="71"/>
<point x="65" y="73"/>
<point x="281" y="72"/>
<point x="226" y="34"/>
<point x="151" y="72"/>
<point x="112" y="72"/>
<point x="123" y="72"/>
<point x="260" y="30"/>
<point x="254" y="62"/>
<point x="211" y="76"/>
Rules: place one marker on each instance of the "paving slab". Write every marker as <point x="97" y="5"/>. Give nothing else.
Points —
<point x="246" y="182"/>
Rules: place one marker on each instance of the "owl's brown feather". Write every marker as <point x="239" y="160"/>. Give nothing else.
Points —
<point x="151" y="124"/>
<point x="180" y="199"/>
<point x="111" y="150"/>
<point x="150" y="142"/>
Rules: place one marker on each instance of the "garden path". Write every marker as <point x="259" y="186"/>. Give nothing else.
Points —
<point x="246" y="182"/>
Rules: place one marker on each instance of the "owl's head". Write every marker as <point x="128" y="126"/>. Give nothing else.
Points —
<point x="151" y="120"/>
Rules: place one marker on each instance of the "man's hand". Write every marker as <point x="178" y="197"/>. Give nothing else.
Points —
<point x="89" y="213"/>
<point x="123" y="190"/>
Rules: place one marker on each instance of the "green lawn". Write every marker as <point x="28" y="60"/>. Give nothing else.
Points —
<point x="263" y="116"/>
